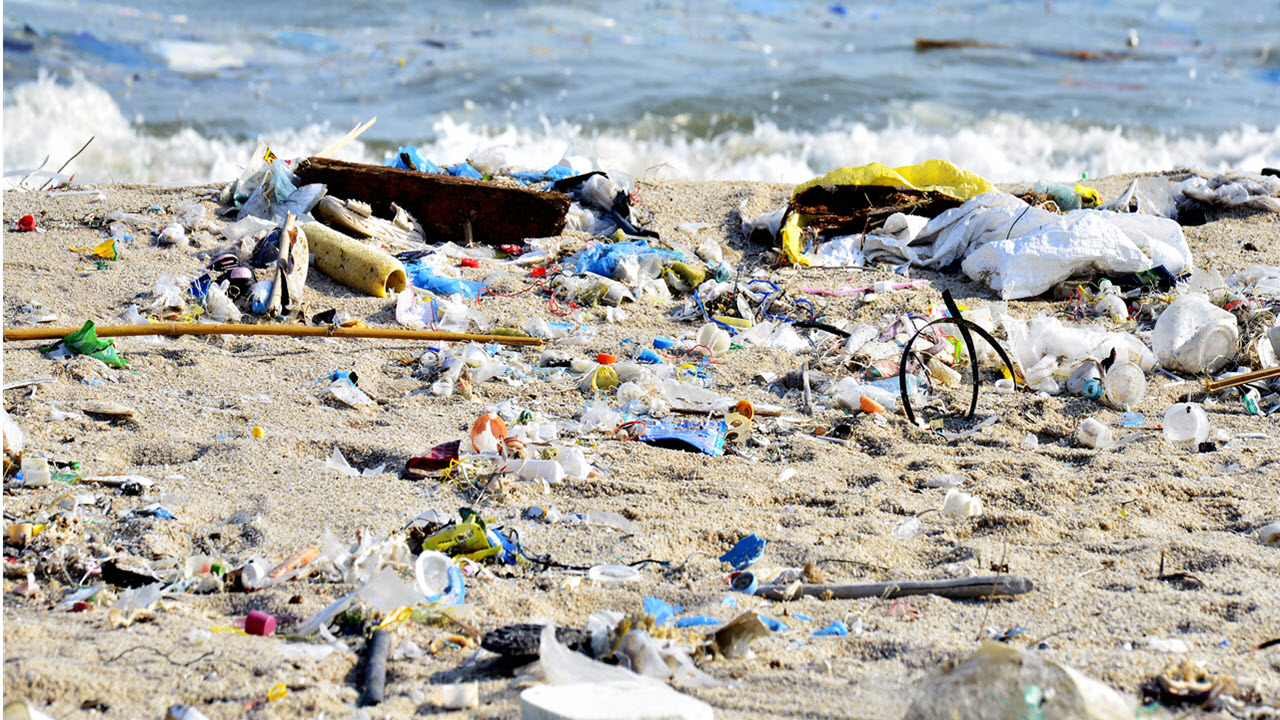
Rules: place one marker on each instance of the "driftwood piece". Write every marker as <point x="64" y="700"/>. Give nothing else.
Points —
<point x="851" y="209"/>
<point x="957" y="589"/>
<point x="449" y="208"/>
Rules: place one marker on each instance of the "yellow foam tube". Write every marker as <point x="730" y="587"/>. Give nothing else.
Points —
<point x="354" y="264"/>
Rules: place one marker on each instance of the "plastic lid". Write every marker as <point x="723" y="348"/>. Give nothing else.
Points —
<point x="662" y="343"/>
<point x="606" y="359"/>
<point x="613" y="573"/>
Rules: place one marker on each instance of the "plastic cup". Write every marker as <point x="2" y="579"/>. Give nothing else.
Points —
<point x="259" y="623"/>
<point x="1185" y="424"/>
<point x="1094" y="434"/>
<point x="1124" y="386"/>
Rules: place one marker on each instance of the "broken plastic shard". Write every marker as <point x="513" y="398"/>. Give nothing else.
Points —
<point x="562" y="666"/>
<point x="350" y="395"/>
<point x="734" y="640"/>
<point x="387" y="592"/>
<point x="611" y="519"/>
<point x="907" y="529"/>
<point x="747" y="551"/>
<point x="139" y="598"/>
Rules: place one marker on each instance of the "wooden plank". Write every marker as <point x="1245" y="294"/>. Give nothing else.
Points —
<point x="449" y="208"/>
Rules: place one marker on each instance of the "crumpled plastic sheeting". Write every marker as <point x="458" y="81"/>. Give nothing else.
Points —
<point x="898" y="232"/>
<point x="1233" y="188"/>
<point x="1262" y="279"/>
<point x="1030" y="341"/>
<point x="1022" y="251"/>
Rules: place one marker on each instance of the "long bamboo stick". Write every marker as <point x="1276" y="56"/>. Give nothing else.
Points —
<point x="957" y="589"/>
<point x="1233" y="381"/>
<point x="53" y="333"/>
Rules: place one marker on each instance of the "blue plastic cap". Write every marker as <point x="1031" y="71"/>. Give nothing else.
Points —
<point x="745" y="583"/>
<point x="662" y="343"/>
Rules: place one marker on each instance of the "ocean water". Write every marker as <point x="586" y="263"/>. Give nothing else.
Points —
<point x="774" y="90"/>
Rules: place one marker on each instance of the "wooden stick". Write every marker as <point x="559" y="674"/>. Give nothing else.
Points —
<point x="1234" y="380"/>
<point x="958" y="589"/>
<point x="11" y="334"/>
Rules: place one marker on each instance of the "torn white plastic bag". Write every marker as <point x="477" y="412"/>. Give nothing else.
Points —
<point x="1021" y="251"/>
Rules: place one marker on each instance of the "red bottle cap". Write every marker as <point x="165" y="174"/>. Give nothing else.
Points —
<point x="27" y="223"/>
<point x="259" y="623"/>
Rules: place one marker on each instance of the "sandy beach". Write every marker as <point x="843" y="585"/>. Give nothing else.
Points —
<point x="1092" y="529"/>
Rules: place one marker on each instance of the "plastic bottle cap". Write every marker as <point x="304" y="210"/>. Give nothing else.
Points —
<point x="662" y="343"/>
<point x="606" y="359"/>
<point x="259" y="623"/>
<point x="744" y="582"/>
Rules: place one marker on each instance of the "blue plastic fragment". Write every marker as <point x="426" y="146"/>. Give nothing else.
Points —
<point x="423" y="276"/>
<point x="200" y="287"/>
<point x="805" y="618"/>
<point x="730" y="601"/>
<point x="773" y="625"/>
<point x="465" y="170"/>
<point x="510" y="551"/>
<point x="648" y="356"/>
<point x="695" y="620"/>
<point x="747" y="551"/>
<point x="835" y="629"/>
<point x="661" y="611"/>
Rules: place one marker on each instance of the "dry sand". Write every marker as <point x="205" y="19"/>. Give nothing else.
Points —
<point x="1089" y="527"/>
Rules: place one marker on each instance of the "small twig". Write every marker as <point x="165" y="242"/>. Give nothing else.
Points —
<point x="468" y="628"/>
<point x="68" y="162"/>
<point x="161" y="654"/>
<point x="808" y="398"/>
<point x="991" y="598"/>
<point x="867" y="565"/>
<point x="27" y="177"/>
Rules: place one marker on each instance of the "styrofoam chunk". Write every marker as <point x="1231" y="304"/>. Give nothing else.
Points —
<point x="611" y="701"/>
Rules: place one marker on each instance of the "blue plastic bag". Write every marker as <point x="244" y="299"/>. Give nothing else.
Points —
<point x="423" y="276"/>
<point x="602" y="259"/>
<point x="415" y="156"/>
<point x="691" y="437"/>
<point x="464" y="170"/>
